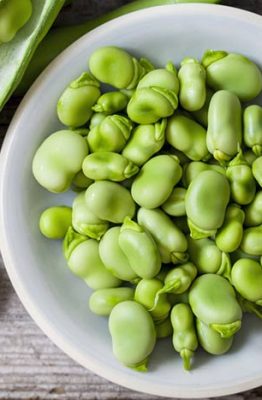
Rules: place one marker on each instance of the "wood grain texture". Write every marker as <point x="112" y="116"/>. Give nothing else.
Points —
<point x="32" y="367"/>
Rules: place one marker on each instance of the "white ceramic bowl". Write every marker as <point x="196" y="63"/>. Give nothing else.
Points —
<point x="57" y="300"/>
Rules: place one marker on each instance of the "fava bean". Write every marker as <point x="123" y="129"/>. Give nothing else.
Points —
<point x="201" y="115"/>
<point x="205" y="217"/>
<point x="155" y="181"/>
<point x="192" y="169"/>
<point x="81" y="182"/>
<point x="246" y="277"/>
<point x="211" y="341"/>
<point x="55" y="221"/>
<point x="229" y="236"/>
<point x="58" y="159"/>
<point x="257" y="170"/>
<point x="253" y="212"/>
<point x="251" y="241"/>
<point x="192" y="78"/>
<point x="96" y="119"/>
<point x="109" y="201"/>
<point x="175" y="204"/>
<point x="140" y="249"/>
<point x="74" y="107"/>
<point x="164" y="329"/>
<point x="111" y="103"/>
<point x="133" y="334"/>
<point x="213" y="301"/>
<point x="184" y="334"/>
<point x="253" y="128"/>
<point x="84" y="221"/>
<point x="102" y="301"/>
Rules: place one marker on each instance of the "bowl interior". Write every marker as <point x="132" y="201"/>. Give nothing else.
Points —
<point x="54" y="297"/>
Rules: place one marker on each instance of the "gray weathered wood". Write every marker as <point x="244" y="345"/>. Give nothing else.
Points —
<point x="31" y="367"/>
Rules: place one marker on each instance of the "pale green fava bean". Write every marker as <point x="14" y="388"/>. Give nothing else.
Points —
<point x="84" y="221"/>
<point x="140" y="249"/>
<point x="211" y="341"/>
<point x="208" y="258"/>
<point x="232" y="72"/>
<point x="171" y="242"/>
<point x="113" y="257"/>
<point x="186" y="135"/>
<point x="110" y="135"/>
<point x="252" y="241"/>
<point x="253" y="128"/>
<point x="133" y="334"/>
<point x="145" y="141"/>
<point x="58" y="159"/>
<point x="164" y="329"/>
<point x="257" y="170"/>
<point x="55" y="221"/>
<point x="175" y="204"/>
<point x="117" y="68"/>
<point x="224" y="133"/>
<point x="145" y="294"/>
<point x="213" y="301"/>
<point x="80" y="182"/>
<point x="201" y="115"/>
<point x="106" y="165"/>
<point x="242" y="183"/>
<point x="253" y="212"/>
<point x="84" y="262"/>
<point x="192" y="78"/>
<point x="102" y="301"/>
<point x="96" y="119"/>
<point x="192" y="169"/>
<point x="155" y="181"/>
<point x="247" y="279"/>
<point x="184" y="334"/>
<point x="229" y="236"/>
<point x="74" y="108"/>
<point x="206" y="216"/>
<point x="111" y="103"/>
<point x="110" y="201"/>
<point x="155" y="97"/>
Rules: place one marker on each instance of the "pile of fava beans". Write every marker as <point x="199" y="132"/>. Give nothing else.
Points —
<point x="166" y="223"/>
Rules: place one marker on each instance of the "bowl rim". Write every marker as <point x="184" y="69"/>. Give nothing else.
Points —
<point x="34" y="310"/>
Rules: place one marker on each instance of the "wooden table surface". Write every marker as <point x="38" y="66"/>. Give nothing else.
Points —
<point x="31" y="366"/>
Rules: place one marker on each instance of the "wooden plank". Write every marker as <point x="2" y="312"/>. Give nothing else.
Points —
<point x="31" y="366"/>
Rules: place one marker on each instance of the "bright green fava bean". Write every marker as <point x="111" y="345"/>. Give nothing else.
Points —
<point x="80" y="182"/>
<point x="140" y="249"/>
<point x="106" y="165"/>
<point x="109" y="201"/>
<point x="58" y="159"/>
<point x="192" y="78"/>
<point x="192" y="169"/>
<point x="111" y="103"/>
<point x="252" y="241"/>
<point x="175" y="204"/>
<point x="253" y="212"/>
<point x="117" y="68"/>
<point x="247" y="279"/>
<point x="211" y="341"/>
<point x="155" y="182"/>
<point x="184" y="333"/>
<point x="84" y="262"/>
<point x="85" y="221"/>
<point x="145" y="294"/>
<point x="188" y="136"/>
<point x="113" y="257"/>
<point x="102" y="301"/>
<point x="202" y="115"/>
<point x="110" y="135"/>
<point x="55" y="221"/>
<point x="205" y="209"/>
<point x="74" y="108"/>
<point x="133" y="334"/>
<point x="232" y="72"/>
<point x="208" y="258"/>
<point x="171" y="242"/>
<point x="229" y="236"/>
<point x="224" y="133"/>
<point x="145" y="141"/>
<point x="242" y="183"/>
<point x="96" y="119"/>
<point x="14" y="14"/>
<point x="257" y="170"/>
<point x="164" y="329"/>
<point x="253" y="128"/>
<point x="213" y="301"/>
<point x="155" y="97"/>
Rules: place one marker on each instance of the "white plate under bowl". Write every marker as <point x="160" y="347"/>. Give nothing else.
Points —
<point x="56" y="299"/>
